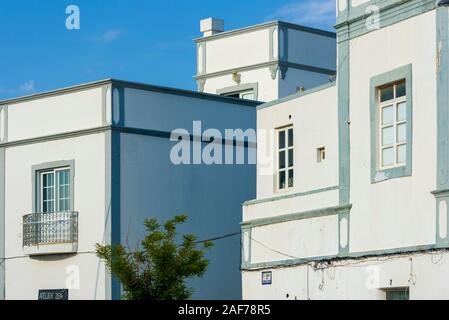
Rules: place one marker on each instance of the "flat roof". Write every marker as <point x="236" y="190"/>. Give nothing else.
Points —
<point x="134" y="85"/>
<point x="266" y="25"/>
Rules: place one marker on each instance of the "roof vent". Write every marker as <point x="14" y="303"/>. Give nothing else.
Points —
<point x="211" y="26"/>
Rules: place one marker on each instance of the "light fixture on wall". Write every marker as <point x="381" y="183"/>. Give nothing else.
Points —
<point x="443" y="3"/>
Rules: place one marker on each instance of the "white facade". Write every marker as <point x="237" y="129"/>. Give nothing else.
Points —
<point x="355" y="225"/>
<point x="87" y="164"/>
<point x="263" y="62"/>
<point x="111" y="140"/>
<point x="58" y="124"/>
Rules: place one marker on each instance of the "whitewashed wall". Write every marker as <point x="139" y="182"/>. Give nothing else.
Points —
<point x="237" y="51"/>
<point x="26" y="275"/>
<point x="354" y="280"/>
<point x="248" y="52"/>
<point x="314" y="119"/>
<point x="391" y="214"/>
<point x="56" y="114"/>
<point x="399" y="212"/>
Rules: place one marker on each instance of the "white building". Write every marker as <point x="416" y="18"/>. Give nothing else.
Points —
<point x="356" y="205"/>
<point x="263" y="62"/>
<point x="86" y="164"/>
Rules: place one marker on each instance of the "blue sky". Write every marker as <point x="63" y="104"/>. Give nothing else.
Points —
<point x="146" y="41"/>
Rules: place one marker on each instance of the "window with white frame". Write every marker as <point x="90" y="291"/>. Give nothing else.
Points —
<point x="248" y="95"/>
<point x="393" y="125"/>
<point x="285" y="148"/>
<point x="55" y="190"/>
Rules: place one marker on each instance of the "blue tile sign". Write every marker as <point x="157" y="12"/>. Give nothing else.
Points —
<point x="54" y="294"/>
<point x="266" y="278"/>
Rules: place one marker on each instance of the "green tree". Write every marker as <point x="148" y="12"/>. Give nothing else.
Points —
<point x="158" y="270"/>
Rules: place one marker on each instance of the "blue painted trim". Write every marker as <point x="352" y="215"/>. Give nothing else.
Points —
<point x="352" y="23"/>
<point x="310" y="214"/>
<point x="167" y="135"/>
<point x="442" y="23"/>
<point x="2" y="225"/>
<point x="289" y="196"/>
<point x="134" y="85"/>
<point x="343" y="87"/>
<point x="272" y="65"/>
<point x="296" y="95"/>
<point x="377" y="174"/>
<point x="115" y="204"/>
<point x="442" y="84"/>
<point x="185" y="93"/>
<point x="108" y="208"/>
<point x="266" y="25"/>
<point x="343" y="122"/>
<point x="305" y="67"/>
<point x="334" y="258"/>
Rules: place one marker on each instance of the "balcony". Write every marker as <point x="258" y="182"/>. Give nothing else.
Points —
<point x="50" y="233"/>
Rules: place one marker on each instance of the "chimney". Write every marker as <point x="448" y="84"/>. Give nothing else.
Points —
<point x="211" y="26"/>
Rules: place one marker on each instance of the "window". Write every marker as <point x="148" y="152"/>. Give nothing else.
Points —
<point x="53" y="186"/>
<point x="391" y="122"/>
<point x="248" y="91"/>
<point x="321" y="154"/>
<point x="393" y="125"/>
<point x="397" y="294"/>
<point x="285" y="158"/>
<point x="55" y="190"/>
<point x="249" y="95"/>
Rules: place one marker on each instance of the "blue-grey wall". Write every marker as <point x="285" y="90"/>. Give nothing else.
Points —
<point x="212" y="196"/>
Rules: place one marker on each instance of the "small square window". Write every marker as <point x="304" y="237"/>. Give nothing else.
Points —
<point x="321" y="154"/>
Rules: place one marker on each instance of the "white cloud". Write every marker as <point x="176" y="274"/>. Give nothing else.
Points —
<point x="111" y="35"/>
<point x="27" y="86"/>
<point x="315" y="13"/>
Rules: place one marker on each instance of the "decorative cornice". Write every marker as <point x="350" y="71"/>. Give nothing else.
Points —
<point x="128" y="84"/>
<point x="266" y="25"/>
<point x="296" y="216"/>
<point x="269" y="64"/>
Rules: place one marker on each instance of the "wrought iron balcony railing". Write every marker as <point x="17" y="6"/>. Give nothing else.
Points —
<point x="50" y="228"/>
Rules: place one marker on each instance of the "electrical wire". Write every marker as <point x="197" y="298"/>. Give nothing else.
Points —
<point x="327" y="263"/>
<point x="219" y="237"/>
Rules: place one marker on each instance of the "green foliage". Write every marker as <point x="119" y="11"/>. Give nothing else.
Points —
<point x="159" y="269"/>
